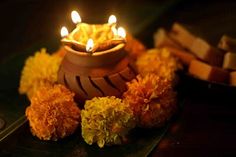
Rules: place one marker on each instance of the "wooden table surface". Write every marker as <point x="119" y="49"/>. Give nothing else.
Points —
<point x="206" y="124"/>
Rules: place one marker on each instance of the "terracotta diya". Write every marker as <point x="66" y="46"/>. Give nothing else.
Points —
<point x="98" y="70"/>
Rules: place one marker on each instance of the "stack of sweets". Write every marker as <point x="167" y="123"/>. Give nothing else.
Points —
<point x="228" y="44"/>
<point x="203" y="60"/>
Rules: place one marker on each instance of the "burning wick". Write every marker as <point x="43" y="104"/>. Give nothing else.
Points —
<point x="64" y="31"/>
<point x="112" y="19"/>
<point x="75" y="17"/>
<point x="71" y="42"/>
<point x="89" y="45"/>
<point x="121" y="32"/>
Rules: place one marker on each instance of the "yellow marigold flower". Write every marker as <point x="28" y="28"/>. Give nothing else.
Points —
<point x="152" y="100"/>
<point x="53" y="114"/>
<point x="106" y="121"/>
<point x="158" y="61"/>
<point x="39" y="70"/>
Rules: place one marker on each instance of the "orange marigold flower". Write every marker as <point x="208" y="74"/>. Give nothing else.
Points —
<point x="152" y="100"/>
<point x="134" y="47"/>
<point x="160" y="62"/>
<point x="53" y="114"/>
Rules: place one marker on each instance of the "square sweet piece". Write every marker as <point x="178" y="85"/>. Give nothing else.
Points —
<point x="232" y="79"/>
<point x="206" y="52"/>
<point x="230" y="61"/>
<point x="184" y="56"/>
<point x="161" y="39"/>
<point x="227" y="43"/>
<point x="181" y="35"/>
<point x="207" y="72"/>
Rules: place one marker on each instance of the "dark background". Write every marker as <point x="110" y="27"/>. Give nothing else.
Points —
<point x="206" y="125"/>
<point x="24" y="22"/>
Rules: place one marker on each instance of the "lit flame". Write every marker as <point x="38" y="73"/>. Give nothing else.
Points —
<point x="112" y="19"/>
<point x="89" y="45"/>
<point x="75" y="17"/>
<point x="64" y="31"/>
<point x="121" y="32"/>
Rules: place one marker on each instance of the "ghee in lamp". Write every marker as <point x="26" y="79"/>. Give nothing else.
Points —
<point x="100" y="69"/>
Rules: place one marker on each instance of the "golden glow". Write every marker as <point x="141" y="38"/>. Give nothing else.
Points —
<point x="75" y="17"/>
<point x="121" y="32"/>
<point x="114" y="30"/>
<point x="64" y="31"/>
<point x="112" y="19"/>
<point x="89" y="45"/>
